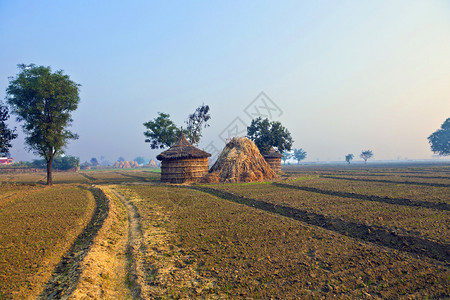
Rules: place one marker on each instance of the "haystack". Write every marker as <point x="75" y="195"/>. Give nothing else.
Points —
<point x="240" y="161"/>
<point x="153" y="164"/>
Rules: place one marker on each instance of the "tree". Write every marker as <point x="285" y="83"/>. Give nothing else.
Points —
<point x="162" y="132"/>
<point x="349" y="158"/>
<point x="267" y="134"/>
<point x="286" y="156"/>
<point x="299" y="154"/>
<point x="440" y="139"/>
<point x="6" y="134"/>
<point x="196" y="122"/>
<point x="59" y="163"/>
<point x="140" y="160"/>
<point x="44" y="102"/>
<point x="366" y="155"/>
<point x="94" y="161"/>
<point x="121" y="159"/>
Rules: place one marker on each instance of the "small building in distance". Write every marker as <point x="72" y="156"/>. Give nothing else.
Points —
<point x="6" y="161"/>
<point x="274" y="160"/>
<point x="183" y="163"/>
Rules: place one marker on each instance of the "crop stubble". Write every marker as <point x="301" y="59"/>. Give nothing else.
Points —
<point x="37" y="227"/>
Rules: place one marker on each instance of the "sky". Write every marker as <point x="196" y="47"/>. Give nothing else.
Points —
<point x="341" y="76"/>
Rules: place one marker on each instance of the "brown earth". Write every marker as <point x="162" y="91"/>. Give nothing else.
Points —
<point x="104" y="269"/>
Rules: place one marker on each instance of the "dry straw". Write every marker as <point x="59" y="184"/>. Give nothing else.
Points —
<point x="240" y="161"/>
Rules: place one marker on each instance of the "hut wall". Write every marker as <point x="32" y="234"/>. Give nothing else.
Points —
<point x="183" y="170"/>
<point x="274" y="163"/>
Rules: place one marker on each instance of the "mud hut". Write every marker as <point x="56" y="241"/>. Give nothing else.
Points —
<point x="183" y="162"/>
<point x="274" y="160"/>
<point x="240" y="161"/>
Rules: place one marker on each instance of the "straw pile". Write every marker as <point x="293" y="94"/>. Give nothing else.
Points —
<point x="153" y="164"/>
<point x="240" y="161"/>
<point x="126" y="164"/>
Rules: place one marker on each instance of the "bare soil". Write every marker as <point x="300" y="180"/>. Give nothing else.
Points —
<point x="104" y="269"/>
<point x="65" y="276"/>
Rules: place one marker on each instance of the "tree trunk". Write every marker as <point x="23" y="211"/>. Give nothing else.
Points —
<point x="49" y="171"/>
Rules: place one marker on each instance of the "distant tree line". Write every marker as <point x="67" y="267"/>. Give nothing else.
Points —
<point x="59" y="163"/>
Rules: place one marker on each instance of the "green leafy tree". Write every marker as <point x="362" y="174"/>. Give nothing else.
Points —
<point x="121" y="158"/>
<point x="366" y="155"/>
<point x="286" y="156"/>
<point x="267" y="134"/>
<point x="196" y="122"/>
<point x="44" y="101"/>
<point x="299" y="154"/>
<point x="161" y="132"/>
<point x="6" y="134"/>
<point x="440" y="139"/>
<point x="349" y="158"/>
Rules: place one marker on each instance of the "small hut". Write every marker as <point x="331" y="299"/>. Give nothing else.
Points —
<point x="183" y="162"/>
<point x="274" y="160"/>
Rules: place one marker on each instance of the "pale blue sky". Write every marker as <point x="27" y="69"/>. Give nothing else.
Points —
<point x="348" y="75"/>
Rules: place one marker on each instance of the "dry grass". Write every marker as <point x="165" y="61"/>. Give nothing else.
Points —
<point x="240" y="161"/>
<point x="36" y="229"/>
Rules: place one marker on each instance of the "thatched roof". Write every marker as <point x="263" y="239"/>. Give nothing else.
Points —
<point x="182" y="150"/>
<point x="273" y="154"/>
<point x="240" y="161"/>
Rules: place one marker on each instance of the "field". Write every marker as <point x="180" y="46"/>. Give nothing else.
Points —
<point x="315" y="232"/>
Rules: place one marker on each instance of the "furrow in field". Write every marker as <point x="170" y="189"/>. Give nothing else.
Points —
<point x="397" y="201"/>
<point x="390" y="181"/>
<point x="253" y="253"/>
<point x="67" y="273"/>
<point x="367" y="233"/>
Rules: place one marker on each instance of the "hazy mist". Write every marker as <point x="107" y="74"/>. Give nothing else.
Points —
<point x="342" y="76"/>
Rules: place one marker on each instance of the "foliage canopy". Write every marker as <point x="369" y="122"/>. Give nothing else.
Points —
<point x="268" y="134"/>
<point x="349" y="158"/>
<point x="299" y="154"/>
<point x="286" y="155"/>
<point x="366" y="155"/>
<point x="59" y="163"/>
<point x="196" y="122"/>
<point x="44" y="101"/>
<point x="162" y="131"/>
<point x="6" y="134"/>
<point x="440" y="139"/>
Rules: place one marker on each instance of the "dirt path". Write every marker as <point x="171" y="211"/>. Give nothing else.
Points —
<point x="104" y="269"/>
<point x="158" y="268"/>
<point x="135" y="251"/>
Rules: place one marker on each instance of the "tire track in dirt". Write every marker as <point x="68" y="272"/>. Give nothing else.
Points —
<point x="397" y="201"/>
<point x="159" y="269"/>
<point x="388" y="181"/>
<point x="90" y="178"/>
<point x="135" y="251"/>
<point x="373" y="234"/>
<point x="66" y="274"/>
